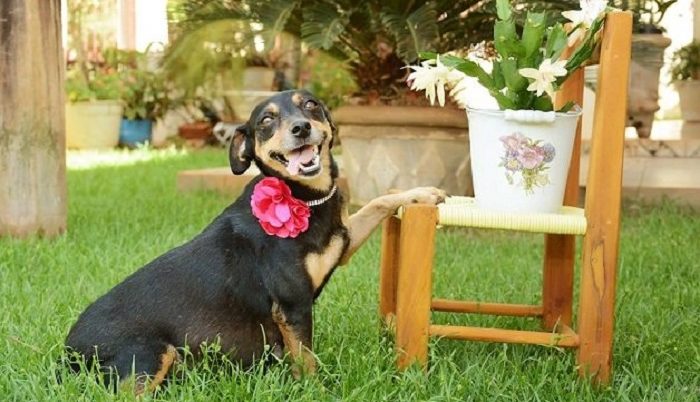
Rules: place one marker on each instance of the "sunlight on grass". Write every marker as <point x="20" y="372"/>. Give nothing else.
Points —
<point x="89" y="159"/>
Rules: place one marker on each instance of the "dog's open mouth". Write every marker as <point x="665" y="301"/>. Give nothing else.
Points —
<point x="304" y="160"/>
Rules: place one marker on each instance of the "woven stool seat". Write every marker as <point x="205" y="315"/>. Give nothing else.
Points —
<point x="463" y="211"/>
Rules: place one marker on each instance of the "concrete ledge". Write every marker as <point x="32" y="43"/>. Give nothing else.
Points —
<point x="652" y="178"/>
<point x="648" y="178"/>
<point x="222" y="180"/>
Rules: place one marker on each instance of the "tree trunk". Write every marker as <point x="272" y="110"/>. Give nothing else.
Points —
<point x="32" y="129"/>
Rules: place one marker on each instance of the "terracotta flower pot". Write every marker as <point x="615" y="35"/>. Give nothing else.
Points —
<point x="195" y="131"/>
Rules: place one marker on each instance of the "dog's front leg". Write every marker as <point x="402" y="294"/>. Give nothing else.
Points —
<point x="295" y="324"/>
<point x="363" y="222"/>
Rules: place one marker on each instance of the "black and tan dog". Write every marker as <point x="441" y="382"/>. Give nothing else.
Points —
<point x="233" y="283"/>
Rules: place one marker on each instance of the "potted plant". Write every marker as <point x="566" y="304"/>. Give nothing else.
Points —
<point x="93" y="110"/>
<point x="685" y="73"/>
<point x="520" y="152"/>
<point x="145" y="97"/>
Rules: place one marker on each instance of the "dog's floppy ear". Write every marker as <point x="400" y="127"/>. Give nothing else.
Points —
<point x="241" y="151"/>
<point x="334" y="128"/>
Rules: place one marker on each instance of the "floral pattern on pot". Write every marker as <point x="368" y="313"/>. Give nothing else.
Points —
<point x="526" y="157"/>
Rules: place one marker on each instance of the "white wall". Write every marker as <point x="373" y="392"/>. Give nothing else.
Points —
<point x="142" y="22"/>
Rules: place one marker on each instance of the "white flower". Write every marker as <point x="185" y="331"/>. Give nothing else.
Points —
<point x="433" y="79"/>
<point x="544" y="76"/>
<point x="581" y="20"/>
<point x="470" y="93"/>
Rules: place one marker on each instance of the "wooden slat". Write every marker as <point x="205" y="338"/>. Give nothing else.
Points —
<point x="391" y="231"/>
<point x="417" y="243"/>
<point x="504" y="335"/>
<point x="560" y="250"/>
<point x="458" y="306"/>
<point x="603" y="192"/>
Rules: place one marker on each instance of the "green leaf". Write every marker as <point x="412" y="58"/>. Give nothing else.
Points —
<point x="472" y="69"/>
<point x="514" y="81"/>
<point x="451" y="61"/>
<point x="497" y="75"/>
<point x="427" y="55"/>
<point x="504" y="9"/>
<point x="413" y="32"/>
<point x="567" y="107"/>
<point x="274" y="16"/>
<point x="585" y="49"/>
<point x="543" y="103"/>
<point x="556" y="42"/>
<point x="506" y="39"/>
<point x="533" y="32"/>
<point x="323" y="25"/>
<point x="503" y="101"/>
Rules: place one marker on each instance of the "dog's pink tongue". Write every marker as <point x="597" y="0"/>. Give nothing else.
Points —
<point x="297" y="158"/>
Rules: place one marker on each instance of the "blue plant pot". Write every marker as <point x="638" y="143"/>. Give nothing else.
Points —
<point x="135" y="132"/>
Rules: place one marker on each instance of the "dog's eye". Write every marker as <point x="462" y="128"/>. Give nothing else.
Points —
<point x="310" y="104"/>
<point x="266" y="120"/>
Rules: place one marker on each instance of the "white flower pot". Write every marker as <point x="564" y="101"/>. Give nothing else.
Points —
<point x="93" y="125"/>
<point x="520" y="158"/>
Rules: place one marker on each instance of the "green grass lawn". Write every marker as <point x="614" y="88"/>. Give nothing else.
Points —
<point x="126" y="211"/>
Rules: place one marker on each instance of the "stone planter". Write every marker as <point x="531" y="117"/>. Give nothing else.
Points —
<point x="392" y="147"/>
<point x="643" y="98"/>
<point x="93" y="124"/>
<point x="689" y="94"/>
<point x="647" y="60"/>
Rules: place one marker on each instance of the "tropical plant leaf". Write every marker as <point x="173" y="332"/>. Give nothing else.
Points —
<point x="556" y="42"/>
<point x="533" y="32"/>
<point x="413" y="32"/>
<point x="274" y="16"/>
<point x="514" y="81"/>
<point x="567" y="107"/>
<point x="499" y="81"/>
<point x="472" y="69"/>
<point x="585" y="49"/>
<point x="504" y="9"/>
<point x="506" y="39"/>
<point x="323" y="25"/>
<point x="543" y="103"/>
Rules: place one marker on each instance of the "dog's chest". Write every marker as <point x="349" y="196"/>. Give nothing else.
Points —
<point x="320" y="264"/>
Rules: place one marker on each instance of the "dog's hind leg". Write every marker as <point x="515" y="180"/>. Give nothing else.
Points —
<point x="296" y="330"/>
<point x="363" y="222"/>
<point x="140" y="367"/>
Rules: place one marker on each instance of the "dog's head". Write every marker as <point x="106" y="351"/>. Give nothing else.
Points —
<point x="290" y="136"/>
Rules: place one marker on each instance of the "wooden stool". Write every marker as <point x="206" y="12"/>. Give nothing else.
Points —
<point x="408" y="241"/>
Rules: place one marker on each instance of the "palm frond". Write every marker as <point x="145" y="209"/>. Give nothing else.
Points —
<point x="413" y="32"/>
<point x="323" y="25"/>
<point x="275" y="15"/>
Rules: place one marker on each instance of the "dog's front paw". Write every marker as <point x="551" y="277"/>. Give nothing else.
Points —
<point x="424" y="195"/>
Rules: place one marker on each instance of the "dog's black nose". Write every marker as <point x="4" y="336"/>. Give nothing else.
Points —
<point x="301" y="129"/>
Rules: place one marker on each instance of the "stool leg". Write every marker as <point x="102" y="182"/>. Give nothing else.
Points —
<point x="417" y="246"/>
<point x="558" y="280"/>
<point x="391" y="231"/>
<point x="597" y="304"/>
<point x="603" y="194"/>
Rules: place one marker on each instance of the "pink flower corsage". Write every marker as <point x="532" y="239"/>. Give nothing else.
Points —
<point x="279" y="213"/>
